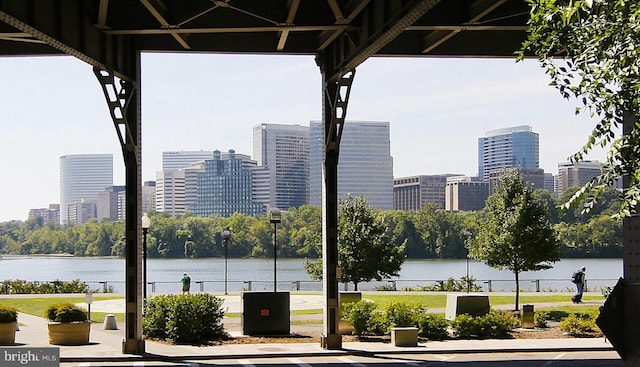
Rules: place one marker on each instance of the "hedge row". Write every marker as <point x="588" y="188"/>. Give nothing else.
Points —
<point x="367" y="319"/>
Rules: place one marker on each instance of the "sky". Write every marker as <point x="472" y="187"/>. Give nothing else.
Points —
<point x="437" y="109"/>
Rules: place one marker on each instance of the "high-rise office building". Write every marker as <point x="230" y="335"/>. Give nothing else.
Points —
<point x="181" y="159"/>
<point x="365" y="165"/>
<point x="176" y="191"/>
<point x="107" y="202"/>
<point x="533" y="177"/>
<point x="112" y="203"/>
<point x="148" y="197"/>
<point x="225" y="186"/>
<point x="412" y="193"/>
<point x="509" y="147"/>
<point x="191" y="184"/>
<point x="83" y="176"/>
<point x="48" y="215"/>
<point x="284" y="150"/>
<point x="576" y="174"/>
<point x="466" y="193"/>
<point x="170" y="195"/>
<point x="81" y="211"/>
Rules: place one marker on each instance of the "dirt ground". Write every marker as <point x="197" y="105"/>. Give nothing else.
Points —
<point x="314" y="337"/>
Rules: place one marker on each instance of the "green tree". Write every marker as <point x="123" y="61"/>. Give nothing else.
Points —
<point x="365" y="248"/>
<point x="601" y="44"/>
<point x="517" y="234"/>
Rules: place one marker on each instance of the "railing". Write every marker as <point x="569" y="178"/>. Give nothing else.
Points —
<point x="489" y="285"/>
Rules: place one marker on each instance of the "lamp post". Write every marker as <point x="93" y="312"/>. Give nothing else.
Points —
<point x="146" y="223"/>
<point x="467" y="235"/>
<point x="275" y="217"/>
<point x="226" y="234"/>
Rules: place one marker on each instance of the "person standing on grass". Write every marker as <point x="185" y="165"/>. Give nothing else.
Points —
<point x="578" y="280"/>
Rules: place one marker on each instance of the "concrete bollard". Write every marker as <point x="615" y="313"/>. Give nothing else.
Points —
<point x="110" y="322"/>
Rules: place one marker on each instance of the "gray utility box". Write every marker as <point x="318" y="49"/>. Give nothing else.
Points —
<point x="471" y="304"/>
<point x="265" y="313"/>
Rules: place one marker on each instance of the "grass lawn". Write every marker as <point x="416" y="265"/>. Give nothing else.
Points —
<point x="440" y="300"/>
<point x="37" y="306"/>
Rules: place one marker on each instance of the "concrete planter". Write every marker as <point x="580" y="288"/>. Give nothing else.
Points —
<point x="404" y="336"/>
<point x="69" y="333"/>
<point x="8" y="332"/>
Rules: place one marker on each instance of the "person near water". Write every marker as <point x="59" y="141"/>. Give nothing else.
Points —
<point x="578" y="280"/>
<point x="186" y="283"/>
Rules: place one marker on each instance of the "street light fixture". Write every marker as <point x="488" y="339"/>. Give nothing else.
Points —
<point x="226" y="234"/>
<point x="467" y="235"/>
<point x="275" y="217"/>
<point x="146" y="223"/>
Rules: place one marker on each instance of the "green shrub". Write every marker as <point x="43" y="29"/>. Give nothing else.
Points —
<point x="194" y="318"/>
<point x="495" y="324"/>
<point x="432" y="326"/>
<point x="386" y="288"/>
<point x="465" y="326"/>
<point x="66" y="312"/>
<point x="359" y="315"/>
<point x="578" y="324"/>
<point x="452" y="285"/>
<point x="540" y="319"/>
<point x="34" y="287"/>
<point x="8" y="314"/>
<point x="401" y="314"/>
<point x="378" y="323"/>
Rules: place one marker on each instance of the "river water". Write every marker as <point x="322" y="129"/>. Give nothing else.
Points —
<point x="258" y="274"/>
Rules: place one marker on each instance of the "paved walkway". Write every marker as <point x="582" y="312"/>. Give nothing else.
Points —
<point x="106" y="345"/>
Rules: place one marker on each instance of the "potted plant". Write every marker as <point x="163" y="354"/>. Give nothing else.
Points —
<point x="8" y="325"/>
<point x="68" y="324"/>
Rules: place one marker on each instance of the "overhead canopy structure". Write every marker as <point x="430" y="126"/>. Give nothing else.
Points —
<point x="99" y="31"/>
<point x="111" y="34"/>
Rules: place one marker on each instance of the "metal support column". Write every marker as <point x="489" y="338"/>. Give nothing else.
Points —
<point x="336" y="98"/>
<point x="124" y="100"/>
<point x="631" y="274"/>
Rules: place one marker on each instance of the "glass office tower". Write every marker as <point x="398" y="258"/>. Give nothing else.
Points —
<point x="365" y="166"/>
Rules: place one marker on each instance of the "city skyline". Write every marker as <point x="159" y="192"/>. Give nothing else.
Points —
<point x="437" y="108"/>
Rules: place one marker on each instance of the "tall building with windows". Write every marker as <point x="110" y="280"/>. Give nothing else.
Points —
<point x="532" y="177"/>
<point x="183" y="158"/>
<point x="225" y="186"/>
<point x="516" y="146"/>
<point x="365" y="165"/>
<point x="170" y="194"/>
<point x="48" y="215"/>
<point x="576" y="174"/>
<point x="412" y="193"/>
<point x="284" y="150"/>
<point x="176" y="183"/>
<point x="107" y="202"/>
<point x="466" y="193"/>
<point x="82" y="177"/>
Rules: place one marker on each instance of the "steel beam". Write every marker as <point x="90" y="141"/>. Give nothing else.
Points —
<point x="65" y="27"/>
<point x="124" y="100"/>
<point x="334" y="111"/>
<point x="381" y="24"/>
